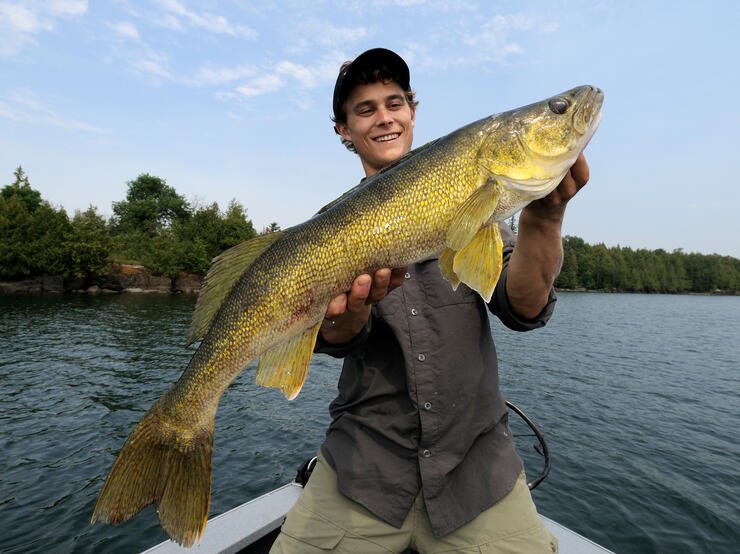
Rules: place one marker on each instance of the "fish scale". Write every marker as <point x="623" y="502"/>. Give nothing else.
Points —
<point x="267" y="297"/>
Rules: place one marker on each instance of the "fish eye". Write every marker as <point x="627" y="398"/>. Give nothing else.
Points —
<point x="559" y="105"/>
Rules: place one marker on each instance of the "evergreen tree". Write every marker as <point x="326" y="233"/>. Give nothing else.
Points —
<point x="21" y="188"/>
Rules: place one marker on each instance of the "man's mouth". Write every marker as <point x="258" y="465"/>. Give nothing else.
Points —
<point x="386" y="138"/>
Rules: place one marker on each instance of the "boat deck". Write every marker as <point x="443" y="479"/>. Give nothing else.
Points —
<point x="241" y="528"/>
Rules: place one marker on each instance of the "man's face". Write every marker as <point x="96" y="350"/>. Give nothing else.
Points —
<point x="380" y="123"/>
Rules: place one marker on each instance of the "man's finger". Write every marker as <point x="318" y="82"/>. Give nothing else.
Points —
<point x="379" y="289"/>
<point x="580" y="172"/>
<point x="398" y="276"/>
<point x="337" y="306"/>
<point x="359" y="292"/>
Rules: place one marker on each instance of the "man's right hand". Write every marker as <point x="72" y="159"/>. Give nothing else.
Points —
<point x="347" y="313"/>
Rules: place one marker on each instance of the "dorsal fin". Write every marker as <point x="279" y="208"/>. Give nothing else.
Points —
<point x="227" y="267"/>
<point x="364" y="182"/>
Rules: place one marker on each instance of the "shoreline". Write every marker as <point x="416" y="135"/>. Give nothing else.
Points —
<point x="136" y="279"/>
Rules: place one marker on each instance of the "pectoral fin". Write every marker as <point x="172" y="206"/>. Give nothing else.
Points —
<point x="285" y="366"/>
<point x="472" y="214"/>
<point x="478" y="264"/>
<point x="446" y="260"/>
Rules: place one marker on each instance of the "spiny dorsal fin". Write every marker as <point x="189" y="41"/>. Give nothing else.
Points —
<point x="227" y="267"/>
<point x="472" y="214"/>
<point x="285" y="366"/>
<point x="364" y="182"/>
<point x="446" y="260"/>
<point x="478" y="264"/>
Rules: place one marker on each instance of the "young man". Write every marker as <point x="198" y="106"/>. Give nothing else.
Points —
<point x="419" y="453"/>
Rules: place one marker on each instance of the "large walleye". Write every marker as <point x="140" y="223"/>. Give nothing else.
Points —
<point x="266" y="297"/>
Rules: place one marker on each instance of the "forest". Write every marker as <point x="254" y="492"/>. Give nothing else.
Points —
<point x="156" y="227"/>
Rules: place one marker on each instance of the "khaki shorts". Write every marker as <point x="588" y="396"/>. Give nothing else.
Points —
<point x="324" y="520"/>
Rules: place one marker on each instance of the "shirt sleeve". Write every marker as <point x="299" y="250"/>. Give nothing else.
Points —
<point x="342" y="350"/>
<point x="499" y="304"/>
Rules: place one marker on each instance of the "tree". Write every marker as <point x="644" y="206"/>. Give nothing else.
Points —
<point x="21" y="188"/>
<point x="89" y="244"/>
<point x="272" y="228"/>
<point x="150" y="206"/>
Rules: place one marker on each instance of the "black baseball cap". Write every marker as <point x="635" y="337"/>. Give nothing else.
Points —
<point x="377" y="58"/>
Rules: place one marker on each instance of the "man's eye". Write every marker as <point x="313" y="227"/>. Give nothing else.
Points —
<point x="396" y="105"/>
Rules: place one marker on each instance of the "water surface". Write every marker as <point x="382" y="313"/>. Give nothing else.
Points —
<point x="636" y="394"/>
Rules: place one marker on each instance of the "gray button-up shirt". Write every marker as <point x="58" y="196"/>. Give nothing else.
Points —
<point x="419" y="405"/>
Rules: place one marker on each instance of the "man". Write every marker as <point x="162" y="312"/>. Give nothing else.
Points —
<point x="419" y="453"/>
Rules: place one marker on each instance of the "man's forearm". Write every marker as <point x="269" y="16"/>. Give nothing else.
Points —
<point x="535" y="261"/>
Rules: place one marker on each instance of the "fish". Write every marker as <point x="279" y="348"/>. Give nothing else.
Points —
<point x="266" y="298"/>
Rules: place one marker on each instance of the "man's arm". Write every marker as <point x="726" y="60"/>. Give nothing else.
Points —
<point x="538" y="254"/>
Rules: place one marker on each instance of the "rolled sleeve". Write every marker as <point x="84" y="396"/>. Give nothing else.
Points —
<point x="500" y="305"/>
<point x="343" y="350"/>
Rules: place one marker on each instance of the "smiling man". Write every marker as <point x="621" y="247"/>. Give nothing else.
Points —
<point x="419" y="453"/>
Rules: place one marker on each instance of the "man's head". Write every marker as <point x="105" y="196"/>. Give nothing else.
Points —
<point x="374" y="108"/>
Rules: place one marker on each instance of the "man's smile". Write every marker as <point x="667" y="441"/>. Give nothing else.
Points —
<point x="385" y="138"/>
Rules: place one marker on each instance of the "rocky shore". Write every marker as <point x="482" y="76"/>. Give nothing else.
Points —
<point x="121" y="278"/>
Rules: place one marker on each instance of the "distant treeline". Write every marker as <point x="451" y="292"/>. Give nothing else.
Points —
<point x="596" y="267"/>
<point x="156" y="227"/>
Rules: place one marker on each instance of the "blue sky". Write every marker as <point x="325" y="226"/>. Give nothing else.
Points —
<point x="232" y="100"/>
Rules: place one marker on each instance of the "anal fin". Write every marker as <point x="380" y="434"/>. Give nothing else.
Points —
<point x="285" y="366"/>
<point x="478" y="263"/>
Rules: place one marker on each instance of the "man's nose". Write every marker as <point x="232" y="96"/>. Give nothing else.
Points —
<point x="384" y="117"/>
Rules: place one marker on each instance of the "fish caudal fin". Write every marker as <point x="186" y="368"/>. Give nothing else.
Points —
<point x="285" y="366"/>
<point x="164" y="465"/>
<point x="478" y="264"/>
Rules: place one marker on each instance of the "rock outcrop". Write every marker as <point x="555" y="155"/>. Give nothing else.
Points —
<point x="121" y="278"/>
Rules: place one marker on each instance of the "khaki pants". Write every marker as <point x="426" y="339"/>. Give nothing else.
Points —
<point x="324" y="520"/>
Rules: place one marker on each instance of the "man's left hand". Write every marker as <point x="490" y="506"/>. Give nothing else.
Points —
<point x="552" y="206"/>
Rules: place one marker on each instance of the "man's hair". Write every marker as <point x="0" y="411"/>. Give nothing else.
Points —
<point x="367" y="77"/>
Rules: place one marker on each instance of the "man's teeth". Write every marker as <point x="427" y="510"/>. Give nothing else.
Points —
<point x="385" y="138"/>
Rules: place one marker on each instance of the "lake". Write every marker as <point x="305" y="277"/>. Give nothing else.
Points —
<point x="637" y="396"/>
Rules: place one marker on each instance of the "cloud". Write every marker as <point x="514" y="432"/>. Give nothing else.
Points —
<point x="288" y="73"/>
<point x="23" y="107"/>
<point x="261" y="85"/>
<point x="179" y="18"/>
<point x="21" y="21"/>
<point x="125" y="30"/>
<point x="220" y="75"/>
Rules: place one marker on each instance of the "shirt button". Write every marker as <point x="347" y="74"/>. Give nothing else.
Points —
<point x="413" y="311"/>
<point x="426" y="453"/>
<point x="421" y="357"/>
<point x="407" y="276"/>
<point x="427" y="405"/>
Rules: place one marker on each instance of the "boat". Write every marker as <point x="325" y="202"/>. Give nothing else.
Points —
<point x="252" y="527"/>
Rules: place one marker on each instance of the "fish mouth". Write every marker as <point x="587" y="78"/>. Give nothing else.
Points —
<point x="386" y="138"/>
<point x="587" y="116"/>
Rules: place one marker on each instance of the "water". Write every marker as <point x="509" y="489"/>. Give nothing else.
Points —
<point x="636" y="394"/>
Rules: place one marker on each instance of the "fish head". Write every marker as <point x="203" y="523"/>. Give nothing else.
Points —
<point x="531" y="148"/>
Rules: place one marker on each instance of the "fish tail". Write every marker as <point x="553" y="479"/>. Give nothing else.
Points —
<point x="165" y="464"/>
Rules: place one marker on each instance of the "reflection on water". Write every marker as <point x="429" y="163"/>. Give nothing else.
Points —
<point x="637" y="396"/>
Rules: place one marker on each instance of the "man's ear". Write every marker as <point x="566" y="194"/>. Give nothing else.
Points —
<point x="342" y="130"/>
